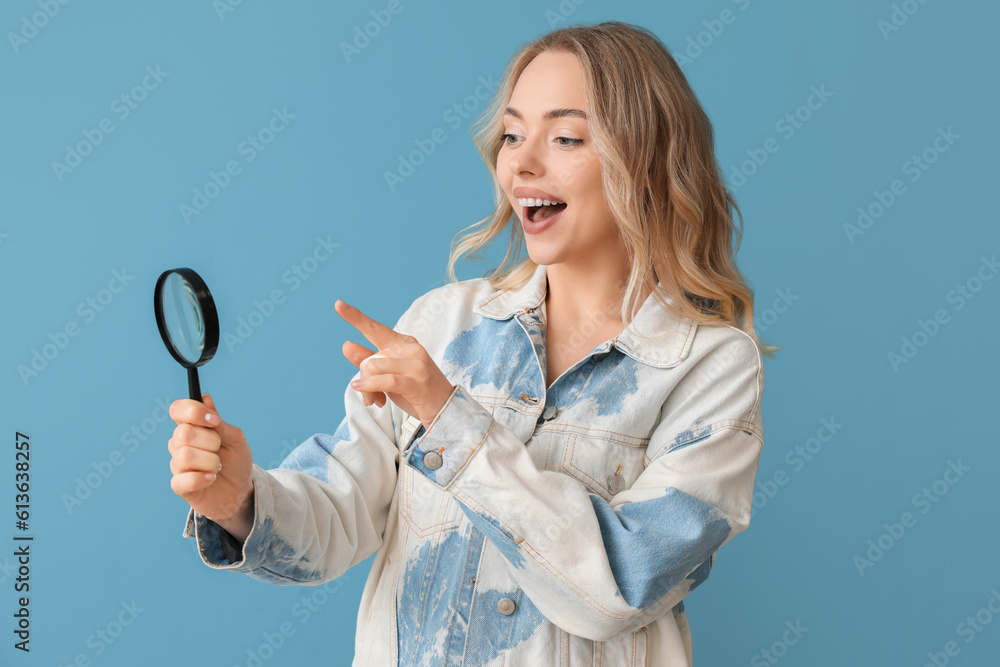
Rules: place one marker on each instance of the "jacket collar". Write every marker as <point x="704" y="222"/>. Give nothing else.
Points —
<point x="669" y="336"/>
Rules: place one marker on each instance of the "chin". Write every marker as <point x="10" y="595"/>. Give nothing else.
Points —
<point x="543" y="258"/>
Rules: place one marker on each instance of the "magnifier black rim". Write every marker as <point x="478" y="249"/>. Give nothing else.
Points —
<point x="209" y="315"/>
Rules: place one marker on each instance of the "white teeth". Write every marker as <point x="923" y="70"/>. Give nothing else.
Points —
<point x="528" y="201"/>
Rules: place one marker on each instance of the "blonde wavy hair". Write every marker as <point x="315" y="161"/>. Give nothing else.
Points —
<point x="660" y="177"/>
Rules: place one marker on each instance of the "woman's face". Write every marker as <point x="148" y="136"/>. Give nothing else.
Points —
<point x="551" y="156"/>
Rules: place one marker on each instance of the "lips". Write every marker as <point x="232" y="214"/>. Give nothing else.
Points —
<point x="555" y="207"/>
<point x="534" y="193"/>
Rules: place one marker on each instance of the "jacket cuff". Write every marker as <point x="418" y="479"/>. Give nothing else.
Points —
<point x="222" y="551"/>
<point x="441" y="451"/>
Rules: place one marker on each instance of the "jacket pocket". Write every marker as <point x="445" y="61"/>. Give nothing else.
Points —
<point x="606" y="466"/>
<point x="424" y="507"/>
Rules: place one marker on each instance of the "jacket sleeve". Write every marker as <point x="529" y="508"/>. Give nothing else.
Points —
<point x="323" y="510"/>
<point x="596" y="568"/>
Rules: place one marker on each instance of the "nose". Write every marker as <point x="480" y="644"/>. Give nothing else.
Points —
<point x="526" y="159"/>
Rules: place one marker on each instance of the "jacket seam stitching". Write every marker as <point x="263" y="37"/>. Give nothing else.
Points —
<point x="472" y="452"/>
<point x="528" y="549"/>
<point x="721" y="425"/>
<point x="567" y="463"/>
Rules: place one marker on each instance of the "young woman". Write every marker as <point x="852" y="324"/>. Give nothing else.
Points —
<point x="546" y="461"/>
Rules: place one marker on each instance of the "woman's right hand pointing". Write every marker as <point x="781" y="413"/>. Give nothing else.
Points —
<point x="212" y="466"/>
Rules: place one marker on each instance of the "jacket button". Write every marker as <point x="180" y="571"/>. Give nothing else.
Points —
<point x="616" y="483"/>
<point x="432" y="460"/>
<point x="505" y="606"/>
<point x="550" y="412"/>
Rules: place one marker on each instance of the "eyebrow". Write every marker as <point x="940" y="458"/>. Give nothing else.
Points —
<point x="550" y="114"/>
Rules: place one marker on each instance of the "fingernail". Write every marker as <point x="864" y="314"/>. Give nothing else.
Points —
<point x="212" y="418"/>
<point x="209" y="476"/>
<point x="357" y="384"/>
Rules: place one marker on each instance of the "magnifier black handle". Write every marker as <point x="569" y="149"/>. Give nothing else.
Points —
<point x="194" y="387"/>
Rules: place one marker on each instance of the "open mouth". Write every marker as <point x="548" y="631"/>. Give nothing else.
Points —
<point x="540" y="213"/>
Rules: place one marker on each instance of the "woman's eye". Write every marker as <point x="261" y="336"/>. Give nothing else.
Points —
<point x="508" y="139"/>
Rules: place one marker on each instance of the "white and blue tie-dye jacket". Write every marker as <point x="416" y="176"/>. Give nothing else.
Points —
<point x="531" y="524"/>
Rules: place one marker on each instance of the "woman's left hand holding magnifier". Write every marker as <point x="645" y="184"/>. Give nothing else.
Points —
<point x="401" y="369"/>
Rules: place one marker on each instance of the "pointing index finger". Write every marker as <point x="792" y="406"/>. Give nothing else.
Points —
<point x="377" y="333"/>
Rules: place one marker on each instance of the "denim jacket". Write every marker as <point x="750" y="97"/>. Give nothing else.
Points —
<point x="534" y="522"/>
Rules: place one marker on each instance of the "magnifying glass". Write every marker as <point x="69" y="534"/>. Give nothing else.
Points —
<point x="187" y="320"/>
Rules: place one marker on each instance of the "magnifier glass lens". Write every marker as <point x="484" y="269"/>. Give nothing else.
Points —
<point x="183" y="318"/>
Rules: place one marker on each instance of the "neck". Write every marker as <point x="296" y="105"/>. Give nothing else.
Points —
<point x="594" y="292"/>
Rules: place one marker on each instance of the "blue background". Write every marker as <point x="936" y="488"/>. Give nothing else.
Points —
<point x="843" y="303"/>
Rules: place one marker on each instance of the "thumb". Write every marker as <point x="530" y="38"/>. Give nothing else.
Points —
<point x="207" y="400"/>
